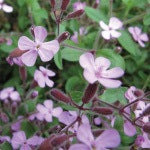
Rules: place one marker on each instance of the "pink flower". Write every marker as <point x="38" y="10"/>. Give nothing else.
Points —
<point x="138" y="36"/>
<point x="42" y="77"/>
<point x="96" y="70"/>
<point x="110" y="30"/>
<point x="19" y="141"/>
<point x="5" y="7"/>
<point x="10" y="93"/>
<point x="46" y="50"/>
<point x="108" y="139"/>
<point x="79" y="6"/>
<point x="46" y="111"/>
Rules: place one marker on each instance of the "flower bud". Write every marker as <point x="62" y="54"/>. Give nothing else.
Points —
<point x="34" y="94"/>
<point x="60" y="96"/>
<point x="58" y="140"/>
<point x="23" y="73"/>
<point x="4" y="117"/>
<point x="64" y="4"/>
<point x="102" y="110"/>
<point x="75" y="14"/>
<point x="17" y="53"/>
<point x="146" y="127"/>
<point x="52" y="2"/>
<point x="89" y="93"/>
<point x="139" y="140"/>
<point x="96" y="4"/>
<point x="13" y="108"/>
<point x="63" y="37"/>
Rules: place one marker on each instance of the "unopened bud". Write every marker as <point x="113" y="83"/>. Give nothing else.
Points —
<point x="23" y="73"/>
<point x="4" y="117"/>
<point x="146" y="127"/>
<point x="96" y="4"/>
<point x="34" y="94"/>
<point x="103" y="110"/>
<point x="89" y="92"/>
<point x="34" y="84"/>
<point x="75" y="14"/>
<point x="17" y="53"/>
<point x="139" y="140"/>
<point x="60" y="96"/>
<point x="57" y="141"/>
<point x="13" y="107"/>
<point x="63" y="37"/>
<point x="64" y="4"/>
<point x="52" y="2"/>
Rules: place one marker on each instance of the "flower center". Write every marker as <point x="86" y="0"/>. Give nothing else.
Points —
<point x="38" y="47"/>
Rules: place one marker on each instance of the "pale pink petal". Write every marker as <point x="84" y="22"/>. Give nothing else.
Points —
<point x="137" y="30"/>
<point x="103" y="25"/>
<point x="41" y="109"/>
<point x="89" y="76"/>
<point x="52" y="46"/>
<point x="48" y="104"/>
<point x="40" y="116"/>
<point x="35" y="140"/>
<point x="4" y="95"/>
<point x="131" y="30"/>
<point x="102" y="62"/>
<point x="144" y="37"/>
<point x="25" y="147"/>
<point x="108" y="139"/>
<point x="115" y="23"/>
<point x="106" y="35"/>
<point x="15" y="96"/>
<point x="129" y="129"/>
<point x="85" y="135"/>
<point x="40" y="34"/>
<point x="113" y="73"/>
<point x="45" y="55"/>
<point x="47" y="71"/>
<point x="7" y="8"/>
<point x="49" y="82"/>
<point x="109" y="83"/>
<point x="115" y="34"/>
<point x="57" y="111"/>
<point x="25" y="43"/>
<point x="87" y="61"/>
<point x="146" y="143"/>
<point x="74" y="37"/>
<point x="29" y="58"/>
<point x="79" y="147"/>
<point x="141" y="43"/>
<point x="85" y="120"/>
<point x="39" y="78"/>
<point x="48" y="117"/>
<point x="18" y="139"/>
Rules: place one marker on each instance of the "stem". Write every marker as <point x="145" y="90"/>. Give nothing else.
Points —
<point x="110" y="7"/>
<point x="136" y="18"/>
<point x="146" y="83"/>
<point x="95" y="46"/>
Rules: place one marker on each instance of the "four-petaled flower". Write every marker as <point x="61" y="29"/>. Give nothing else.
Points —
<point x="110" y="30"/>
<point x="46" y="50"/>
<point x="9" y="93"/>
<point x="19" y="140"/>
<point x="138" y="36"/>
<point x="46" y="111"/>
<point x="96" y="70"/>
<point x="42" y="77"/>
<point x="108" y="139"/>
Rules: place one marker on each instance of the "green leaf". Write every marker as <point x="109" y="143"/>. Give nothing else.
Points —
<point x="113" y="95"/>
<point x="71" y="54"/>
<point x="21" y="2"/>
<point x="146" y="19"/>
<point x="5" y="146"/>
<point x="128" y="44"/>
<point x="58" y="60"/>
<point x="95" y="14"/>
<point x="76" y="96"/>
<point x="28" y="128"/>
<point x="116" y="59"/>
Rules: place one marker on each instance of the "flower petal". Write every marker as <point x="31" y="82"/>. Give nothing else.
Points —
<point x="29" y="58"/>
<point x="129" y="129"/>
<point x="141" y="43"/>
<point x="109" y="83"/>
<point x="39" y="78"/>
<point x="144" y="37"/>
<point x="57" y="111"/>
<point x="103" y="25"/>
<point x="89" y="76"/>
<point x="108" y="139"/>
<point x="47" y="71"/>
<point x="35" y="140"/>
<point x="102" y="62"/>
<point x="41" y="109"/>
<point x="106" y="35"/>
<point x="79" y="147"/>
<point x="48" y="117"/>
<point x="115" y="34"/>
<point x="49" y="82"/>
<point x="7" y="8"/>
<point x="113" y="73"/>
<point x="137" y="31"/>
<point x="15" y="96"/>
<point x="25" y="43"/>
<point x="85" y="137"/>
<point x="25" y="147"/>
<point x="115" y="23"/>
<point x="48" y="104"/>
